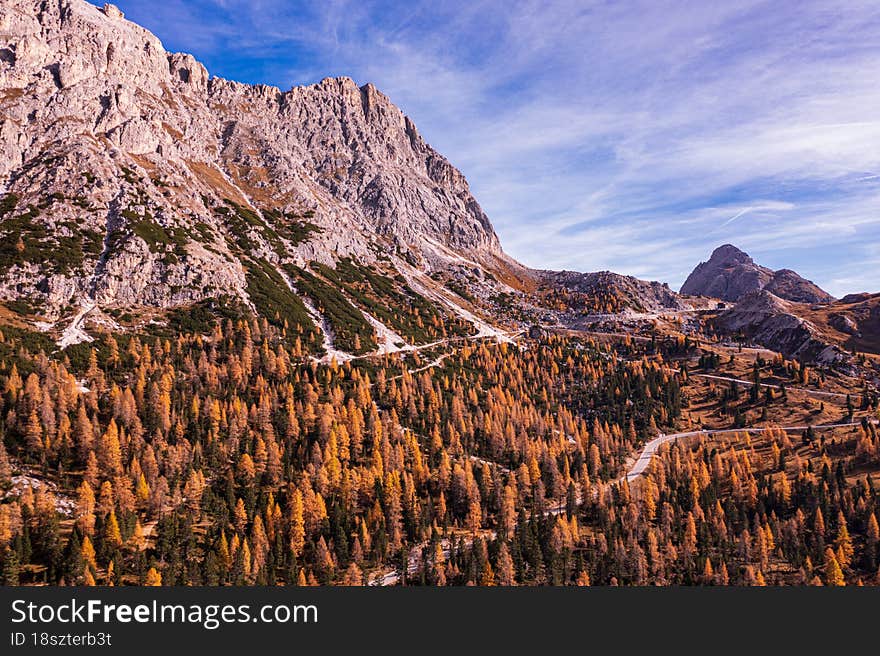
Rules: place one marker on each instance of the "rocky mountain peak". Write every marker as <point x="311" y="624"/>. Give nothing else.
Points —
<point x="730" y="273"/>
<point x="728" y="254"/>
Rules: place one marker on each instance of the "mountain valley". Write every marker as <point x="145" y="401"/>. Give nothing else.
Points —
<point x="253" y="336"/>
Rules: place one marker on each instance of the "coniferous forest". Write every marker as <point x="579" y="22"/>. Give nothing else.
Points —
<point x="232" y="458"/>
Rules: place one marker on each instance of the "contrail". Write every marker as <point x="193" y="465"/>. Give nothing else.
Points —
<point x="736" y="216"/>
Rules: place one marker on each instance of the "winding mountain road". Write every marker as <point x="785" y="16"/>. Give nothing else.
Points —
<point x="647" y="453"/>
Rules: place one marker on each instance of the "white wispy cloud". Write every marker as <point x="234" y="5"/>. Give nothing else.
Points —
<point x="736" y="216"/>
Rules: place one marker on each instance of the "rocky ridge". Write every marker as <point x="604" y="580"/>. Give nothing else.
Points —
<point x="631" y="293"/>
<point x="777" y="324"/>
<point x="130" y="177"/>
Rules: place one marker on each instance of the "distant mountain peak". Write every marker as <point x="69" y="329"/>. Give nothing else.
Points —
<point x="729" y="254"/>
<point x="730" y="273"/>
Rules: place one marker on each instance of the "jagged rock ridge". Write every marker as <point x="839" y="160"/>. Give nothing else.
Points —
<point x="627" y="292"/>
<point x="131" y="177"/>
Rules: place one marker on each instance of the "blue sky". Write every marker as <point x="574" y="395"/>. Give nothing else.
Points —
<point x="631" y="136"/>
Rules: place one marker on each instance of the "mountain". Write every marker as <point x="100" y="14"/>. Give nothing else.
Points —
<point x="136" y="191"/>
<point x="787" y="284"/>
<point x="855" y="320"/>
<point x="730" y="273"/>
<point x="130" y="178"/>
<point x="780" y="309"/>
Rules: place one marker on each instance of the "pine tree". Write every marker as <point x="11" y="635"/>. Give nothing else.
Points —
<point x="73" y="560"/>
<point x="324" y="561"/>
<point x="11" y="566"/>
<point x="223" y="552"/>
<point x="88" y="553"/>
<point x="708" y="572"/>
<point x="142" y="491"/>
<point x="137" y="540"/>
<point x="34" y="435"/>
<point x="85" y="509"/>
<point x="439" y="565"/>
<point x="819" y="524"/>
<point x="297" y="524"/>
<point x="240" y="516"/>
<point x="112" y="535"/>
<point x="506" y="573"/>
<point x="92" y="474"/>
<point x="475" y="517"/>
<point x="833" y="573"/>
<point x="723" y="576"/>
<point x="844" y="542"/>
<point x="759" y="579"/>
<point x="5" y="467"/>
<point x="109" y="452"/>
<point x="353" y="576"/>
<point x="872" y="533"/>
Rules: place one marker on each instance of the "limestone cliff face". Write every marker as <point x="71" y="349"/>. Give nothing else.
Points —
<point x="130" y="176"/>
